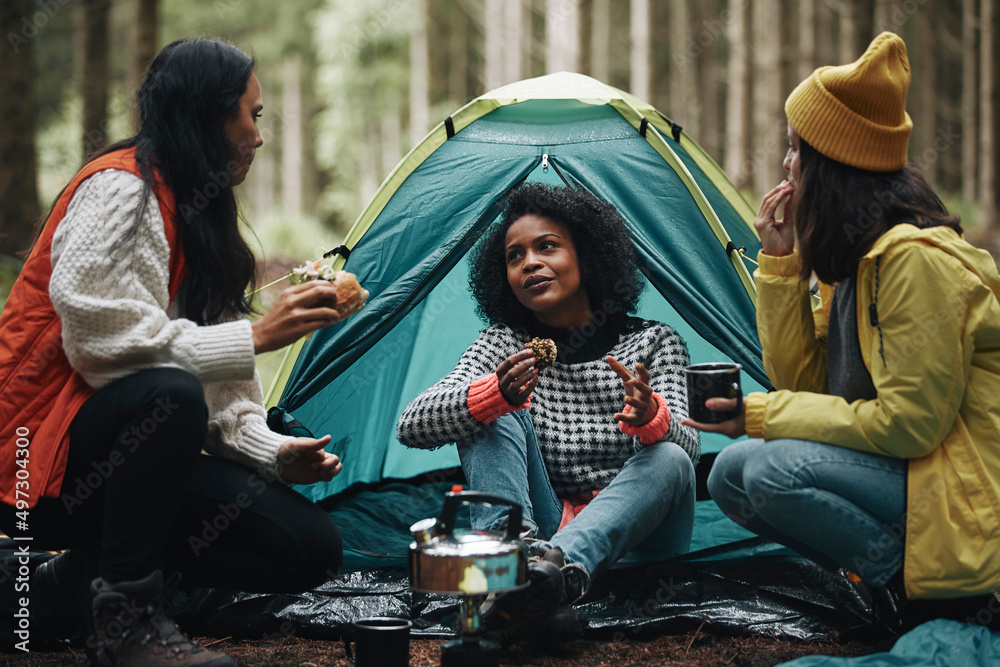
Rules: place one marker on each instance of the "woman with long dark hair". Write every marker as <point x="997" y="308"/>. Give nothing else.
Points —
<point x="591" y="447"/>
<point x="125" y="351"/>
<point x="878" y="451"/>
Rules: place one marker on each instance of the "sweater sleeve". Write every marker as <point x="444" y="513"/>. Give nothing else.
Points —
<point x="666" y="368"/>
<point x="237" y="426"/>
<point x="110" y="288"/>
<point x="442" y="414"/>
<point x="652" y="431"/>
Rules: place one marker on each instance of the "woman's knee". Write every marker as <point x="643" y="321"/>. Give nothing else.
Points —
<point x="727" y="475"/>
<point x="672" y="465"/>
<point x="175" y="392"/>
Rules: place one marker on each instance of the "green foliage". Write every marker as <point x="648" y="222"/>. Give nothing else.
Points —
<point x="59" y="143"/>
<point x="9" y="271"/>
<point x="290" y="239"/>
<point x="971" y="215"/>
<point x="363" y="74"/>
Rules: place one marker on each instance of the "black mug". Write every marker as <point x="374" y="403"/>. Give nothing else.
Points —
<point x="713" y="380"/>
<point x="381" y="641"/>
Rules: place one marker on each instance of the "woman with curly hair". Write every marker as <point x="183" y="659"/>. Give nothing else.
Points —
<point x="592" y="451"/>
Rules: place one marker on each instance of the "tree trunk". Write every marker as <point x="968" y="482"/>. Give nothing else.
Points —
<point x="807" y="39"/>
<point x="562" y="27"/>
<point x="856" y="25"/>
<point x="969" y="106"/>
<point x="493" y="26"/>
<point x="143" y="46"/>
<point x="458" y="69"/>
<point x="768" y="102"/>
<point x="738" y="95"/>
<point x="883" y="16"/>
<point x="827" y="48"/>
<point x="600" y="40"/>
<point x="924" y="90"/>
<point x="639" y="59"/>
<point x="19" y="200"/>
<point x="989" y="109"/>
<point x="292" y="154"/>
<point x="683" y="86"/>
<point x="368" y="171"/>
<point x="419" y="70"/>
<point x="260" y="189"/>
<point x="513" y="36"/>
<point x="390" y="134"/>
<point x="94" y="87"/>
<point x="710" y="29"/>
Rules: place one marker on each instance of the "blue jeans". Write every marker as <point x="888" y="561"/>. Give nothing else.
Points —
<point x="649" y="504"/>
<point x="836" y="506"/>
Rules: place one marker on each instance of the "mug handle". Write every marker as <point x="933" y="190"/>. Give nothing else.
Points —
<point x="739" y="397"/>
<point x="452" y="501"/>
<point x="347" y="648"/>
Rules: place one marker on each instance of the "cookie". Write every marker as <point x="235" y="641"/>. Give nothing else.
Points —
<point x="544" y="351"/>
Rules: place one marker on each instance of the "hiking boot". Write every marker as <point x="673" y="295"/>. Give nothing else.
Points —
<point x="544" y="608"/>
<point x="522" y="614"/>
<point x="134" y="630"/>
<point x="61" y="595"/>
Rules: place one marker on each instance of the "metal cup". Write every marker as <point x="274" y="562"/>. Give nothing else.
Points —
<point x="381" y="641"/>
<point x="713" y="380"/>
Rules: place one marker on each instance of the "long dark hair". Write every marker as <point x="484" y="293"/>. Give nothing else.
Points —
<point x="840" y="211"/>
<point x="191" y="88"/>
<point x="609" y="267"/>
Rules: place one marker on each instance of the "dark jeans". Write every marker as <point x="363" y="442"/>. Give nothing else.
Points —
<point x="138" y="495"/>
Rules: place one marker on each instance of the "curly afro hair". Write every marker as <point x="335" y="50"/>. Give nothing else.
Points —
<point x="609" y="266"/>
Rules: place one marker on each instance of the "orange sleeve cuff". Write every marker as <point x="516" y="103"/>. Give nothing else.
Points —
<point x="654" y="430"/>
<point x="486" y="402"/>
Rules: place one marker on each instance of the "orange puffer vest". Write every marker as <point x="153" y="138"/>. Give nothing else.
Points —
<point x="40" y="392"/>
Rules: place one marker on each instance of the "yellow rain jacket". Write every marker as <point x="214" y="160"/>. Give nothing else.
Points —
<point x="932" y="346"/>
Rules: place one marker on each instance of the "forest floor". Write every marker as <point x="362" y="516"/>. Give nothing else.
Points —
<point x="695" y="649"/>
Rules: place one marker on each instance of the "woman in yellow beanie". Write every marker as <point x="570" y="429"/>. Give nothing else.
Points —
<point x="878" y="452"/>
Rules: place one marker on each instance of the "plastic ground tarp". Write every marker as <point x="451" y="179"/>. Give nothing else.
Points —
<point x="731" y="582"/>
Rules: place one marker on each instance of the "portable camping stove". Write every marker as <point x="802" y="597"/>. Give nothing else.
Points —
<point x="470" y="564"/>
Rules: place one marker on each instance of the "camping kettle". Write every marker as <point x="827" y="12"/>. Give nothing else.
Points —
<point x="467" y="562"/>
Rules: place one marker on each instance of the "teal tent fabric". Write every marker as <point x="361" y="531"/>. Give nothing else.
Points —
<point x="353" y="379"/>
<point x="939" y="643"/>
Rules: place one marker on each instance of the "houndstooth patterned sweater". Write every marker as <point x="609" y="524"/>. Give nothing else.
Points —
<point x="572" y="407"/>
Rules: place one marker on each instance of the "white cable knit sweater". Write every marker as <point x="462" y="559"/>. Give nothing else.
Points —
<point x="110" y="289"/>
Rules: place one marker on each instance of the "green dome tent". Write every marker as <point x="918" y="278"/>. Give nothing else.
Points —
<point x="689" y="223"/>
<point x="408" y="248"/>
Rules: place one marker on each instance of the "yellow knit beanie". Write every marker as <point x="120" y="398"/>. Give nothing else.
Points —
<point x="856" y="113"/>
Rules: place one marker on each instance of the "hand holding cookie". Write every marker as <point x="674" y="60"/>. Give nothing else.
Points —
<point x="544" y="351"/>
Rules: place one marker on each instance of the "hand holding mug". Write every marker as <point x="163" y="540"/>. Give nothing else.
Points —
<point x="734" y="428"/>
